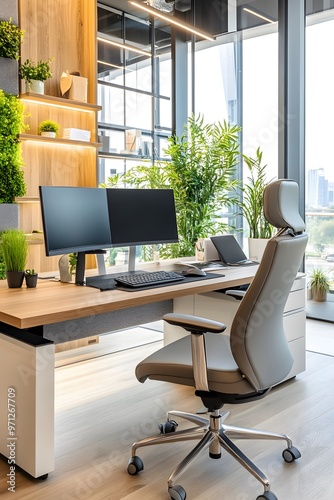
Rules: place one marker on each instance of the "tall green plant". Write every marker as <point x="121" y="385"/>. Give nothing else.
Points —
<point x="201" y="173"/>
<point x="14" y="248"/>
<point x="11" y="124"/>
<point x="252" y="204"/>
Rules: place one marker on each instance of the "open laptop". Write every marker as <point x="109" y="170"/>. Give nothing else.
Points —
<point x="230" y="252"/>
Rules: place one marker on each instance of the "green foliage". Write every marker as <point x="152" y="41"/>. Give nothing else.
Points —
<point x="252" y="204"/>
<point x="320" y="229"/>
<point x="72" y="260"/>
<point x="11" y="37"/>
<point x="48" y="126"/>
<point x="35" y="71"/>
<point x="201" y="173"/>
<point x="30" y="272"/>
<point x="319" y="280"/>
<point x="11" y="124"/>
<point x="2" y="267"/>
<point x="14" y="247"/>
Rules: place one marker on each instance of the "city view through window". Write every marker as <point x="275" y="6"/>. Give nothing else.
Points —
<point x="319" y="175"/>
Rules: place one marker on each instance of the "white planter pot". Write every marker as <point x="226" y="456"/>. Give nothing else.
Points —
<point x="256" y="247"/>
<point x="48" y="134"/>
<point x="35" y="86"/>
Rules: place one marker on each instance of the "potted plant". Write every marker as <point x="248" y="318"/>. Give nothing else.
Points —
<point x="31" y="278"/>
<point x="48" y="128"/>
<point x="11" y="175"/>
<point x="11" y="37"/>
<point x="319" y="284"/>
<point x="252" y="206"/>
<point x="14" y="248"/>
<point x="34" y="74"/>
<point x="201" y="173"/>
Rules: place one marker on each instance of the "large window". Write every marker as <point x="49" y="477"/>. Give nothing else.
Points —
<point x="260" y="99"/>
<point x="134" y="90"/>
<point x="319" y="199"/>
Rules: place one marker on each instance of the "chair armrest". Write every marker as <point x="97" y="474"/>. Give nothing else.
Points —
<point x="197" y="327"/>
<point x="237" y="294"/>
<point x="194" y="324"/>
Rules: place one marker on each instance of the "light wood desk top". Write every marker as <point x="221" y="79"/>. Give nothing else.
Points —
<point x="52" y="302"/>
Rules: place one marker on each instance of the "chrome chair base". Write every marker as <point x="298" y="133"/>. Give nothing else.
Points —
<point x="212" y="433"/>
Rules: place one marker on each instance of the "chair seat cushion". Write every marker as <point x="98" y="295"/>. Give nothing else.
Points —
<point x="173" y="363"/>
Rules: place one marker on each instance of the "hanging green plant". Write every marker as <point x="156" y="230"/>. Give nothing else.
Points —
<point x="11" y="125"/>
<point x="11" y="37"/>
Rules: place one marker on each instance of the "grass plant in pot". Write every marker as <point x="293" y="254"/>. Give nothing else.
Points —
<point x="252" y="206"/>
<point x="48" y="128"/>
<point x="14" y="248"/>
<point x="319" y="284"/>
<point x="35" y="74"/>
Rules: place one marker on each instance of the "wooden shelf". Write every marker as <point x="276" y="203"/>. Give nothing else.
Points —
<point x="59" y="102"/>
<point x="27" y="199"/>
<point x="58" y="141"/>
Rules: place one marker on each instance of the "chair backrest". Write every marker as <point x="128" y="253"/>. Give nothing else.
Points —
<point x="257" y="337"/>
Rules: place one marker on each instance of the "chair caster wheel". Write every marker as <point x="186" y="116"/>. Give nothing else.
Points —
<point x="177" y="492"/>
<point x="291" y="454"/>
<point x="135" y="465"/>
<point x="167" y="427"/>
<point x="267" y="495"/>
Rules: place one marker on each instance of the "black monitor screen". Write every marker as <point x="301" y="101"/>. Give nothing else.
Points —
<point x="142" y="216"/>
<point x="75" y="219"/>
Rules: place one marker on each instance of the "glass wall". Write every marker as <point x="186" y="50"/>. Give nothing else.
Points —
<point x="260" y="99"/>
<point x="319" y="170"/>
<point x="234" y="79"/>
<point x="134" y="90"/>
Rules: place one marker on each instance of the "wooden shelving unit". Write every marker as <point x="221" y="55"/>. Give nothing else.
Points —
<point x="70" y="39"/>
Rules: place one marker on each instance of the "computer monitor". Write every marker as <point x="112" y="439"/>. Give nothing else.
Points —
<point x="141" y="217"/>
<point x="75" y="220"/>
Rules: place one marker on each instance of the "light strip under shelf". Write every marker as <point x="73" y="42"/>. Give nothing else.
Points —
<point x="124" y="46"/>
<point x="172" y="20"/>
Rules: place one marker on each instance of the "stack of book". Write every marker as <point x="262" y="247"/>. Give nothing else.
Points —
<point x="76" y="134"/>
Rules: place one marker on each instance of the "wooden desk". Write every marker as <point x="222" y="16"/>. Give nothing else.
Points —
<point x="27" y="366"/>
<point x="51" y="302"/>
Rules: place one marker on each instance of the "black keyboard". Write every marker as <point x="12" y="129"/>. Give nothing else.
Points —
<point x="147" y="279"/>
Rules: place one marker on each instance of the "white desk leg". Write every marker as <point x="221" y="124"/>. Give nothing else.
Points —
<point x="27" y="404"/>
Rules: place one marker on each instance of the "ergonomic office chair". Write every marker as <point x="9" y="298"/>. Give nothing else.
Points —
<point x="239" y="368"/>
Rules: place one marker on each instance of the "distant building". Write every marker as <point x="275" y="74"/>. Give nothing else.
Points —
<point x="331" y="194"/>
<point x="318" y="192"/>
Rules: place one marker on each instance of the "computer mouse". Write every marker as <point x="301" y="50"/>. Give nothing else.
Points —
<point x="193" y="271"/>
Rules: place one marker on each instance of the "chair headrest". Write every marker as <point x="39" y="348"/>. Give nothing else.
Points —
<point x="280" y="205"/>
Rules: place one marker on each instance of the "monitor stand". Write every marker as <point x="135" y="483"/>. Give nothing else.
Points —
<point x="80" y="267"/>
<point x="132" y="259"/>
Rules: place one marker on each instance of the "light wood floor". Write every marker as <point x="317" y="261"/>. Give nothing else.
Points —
<point x="101" y="409"/>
